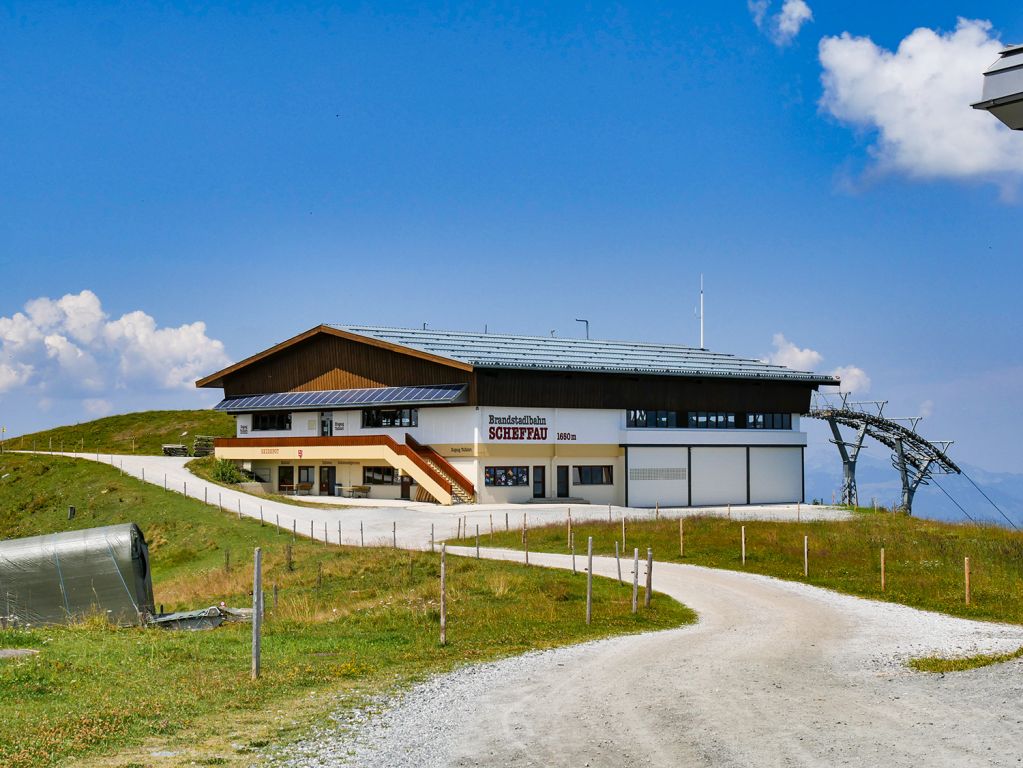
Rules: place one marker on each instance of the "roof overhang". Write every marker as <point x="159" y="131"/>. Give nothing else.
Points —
<point x="216" y="380"/>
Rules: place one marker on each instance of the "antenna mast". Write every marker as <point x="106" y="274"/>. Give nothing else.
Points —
<point x="701" y="312"/>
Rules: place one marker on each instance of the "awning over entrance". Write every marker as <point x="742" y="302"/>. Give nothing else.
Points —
<point x="442" y="394"/>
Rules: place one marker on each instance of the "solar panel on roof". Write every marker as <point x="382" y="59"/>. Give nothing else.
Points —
<point x="445" y="393"/>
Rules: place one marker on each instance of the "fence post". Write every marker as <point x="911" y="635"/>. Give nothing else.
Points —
<point x="744" y="545"/>
<point x="569" y="541"/>
<point x="257" y="610"/>
<point x="339" y="533"/>
<point x="609" y="518"/>
<point x="278" y="526"/>
<point x="288" y="557"/>
<point x="806" y="556"/>
<point x="239" y="509"/>
<point x="649" y="577"/>
<point x="294" y="529"/>
<point x="362" y="535"/>
<point x="458" y="528"/>
<point x="623" y="530"/>
<point x="443" y="596"/>
<point x="491" y="529"/>
<point x="506" y="528"/>
<point x="635" y="580"/>
<point x="657" y="510"/>
<point x="275" y="597"/>
<point x="431" y="537"/>
<point x="227" y="561"/>
<point x="165" y="481"/>
<point x="324" y="533"/>
<point x="394" y="533"/>
<point x="571" y="547"/>
<point x="618" y="560"/>
<point x="220" y="501"/>
<point x="882" y="569"/>
<point x="525" y="540"/>
<point x="523" y="529"/>
<point x="589" y="579"/>
<point x="966" y="573"/>
<point x="183" y="493"/>
<point x="312" y="535"/>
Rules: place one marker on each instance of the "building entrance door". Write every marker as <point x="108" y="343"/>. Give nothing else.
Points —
<point x="562" y="482"/>
<point x="406" y="486"/>
<point x="539" y="482"/>
<point x="328" y="478"/>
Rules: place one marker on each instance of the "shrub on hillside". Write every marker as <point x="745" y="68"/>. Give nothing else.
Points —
<point x="224" y="471"/>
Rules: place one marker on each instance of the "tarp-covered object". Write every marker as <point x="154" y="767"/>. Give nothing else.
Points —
<point x="60" y="577"/>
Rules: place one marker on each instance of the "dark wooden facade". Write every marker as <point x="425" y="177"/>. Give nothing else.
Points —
<point x="325" y="359"/>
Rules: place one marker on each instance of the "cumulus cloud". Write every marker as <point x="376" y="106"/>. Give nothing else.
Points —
<point x="917" y="101"/>
<point x="854" y="379"/>
<point x="783" y="26"/>
<point x="70" y="348"/>
<point x="788" y="354"/>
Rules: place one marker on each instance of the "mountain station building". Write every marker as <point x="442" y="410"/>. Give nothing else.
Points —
<point x="457" y="417"/>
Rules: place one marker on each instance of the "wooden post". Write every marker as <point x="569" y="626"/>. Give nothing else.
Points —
<point x="339" y="533"/>
<point x="609" y="516"/>
<point x="806" y="556"/>
<point x="744" y="545"/>
<point x="635" y="580"/>
<point x="362" y="535"/>
<point x="294" y="529"/>
<point x="257" y="612"/>
<point x="311" y="534"/>
<point x="729" y="511"/>
<point x="525" y="541"/>
<point x="477" y="541"/>
<point x="260" y="515"/>
<point x="618" y="561"/>
<point x="324" y="533"/>
<point x="275" y="597"/>
<point x="184" y="492"/>
<point x="570" y="526"/>
<point x="506" y="528"/>
<point x="657" y="510"/>
<point x="288" y="557"/>
<point x="394" y="533"/>
<point x="524" y="529"/>
<point x="491" y="528"/>
<point x="681" y="539"/>
<point x="431" y="537"/>
<point x="458" y="532"/>
<point x="239" y="509"/>
<point x="277" y="517"/>
<point x="164" y="479"/>
<point x="882" y="569"/>
<point x="798" y="505"/>
<point x="443" y="597"/>
<point x="623" y="530"/>
<point x="966" y="573"/>
<point x="319" y="574"/>
<point x="649" y="577"/>
<point x="589" y="579"/>
<point x="143" y="468"/>
<point x="571" y="547"/>
<point x="227" y="561"/>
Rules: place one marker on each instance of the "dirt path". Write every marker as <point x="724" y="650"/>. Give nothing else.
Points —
<point x="774" y="674"/>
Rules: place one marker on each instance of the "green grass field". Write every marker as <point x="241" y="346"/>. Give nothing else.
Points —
<point x="924" y="558"/>
<point x="141" y="433"/>
<point x="98" y="694"/>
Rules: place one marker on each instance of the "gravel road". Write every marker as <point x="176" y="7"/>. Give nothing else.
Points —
<point x="774" y="674"/>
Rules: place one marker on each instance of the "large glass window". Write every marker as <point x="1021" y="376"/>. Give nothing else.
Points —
<point x="505" y="477"/>
<point x="769" y="421"/>
<point x="637" y="418"/>
<point x="711" y="420"/>
<point x="285" y="477"/>
<point x="380" y="476"/>
<point x="305" y="474"/>
<point x="273" y="421"/>
<point x="390" y="417"/>
<point x="593" y="475"/>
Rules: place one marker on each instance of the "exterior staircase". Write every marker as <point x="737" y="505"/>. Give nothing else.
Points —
<point x="462" y="491"/>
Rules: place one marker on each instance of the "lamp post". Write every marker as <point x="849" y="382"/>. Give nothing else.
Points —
<point x="1003" y="88"/>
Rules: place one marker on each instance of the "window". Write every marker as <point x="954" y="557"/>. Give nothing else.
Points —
<point x="769" y="421"/>
<point x="505" y="477"/>
<point x="390" y="417"/>
<point x="593" y="475"/>
<point x="635" y="419"/>
<point x="261" y="474"/>
<point x="711" y="420"/>
<point x="265" y="422"/>
<point x="380" y="476"/>
<point x="305" y="474"/>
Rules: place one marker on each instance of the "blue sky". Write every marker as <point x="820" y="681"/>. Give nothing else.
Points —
<point x="263" y="168"/>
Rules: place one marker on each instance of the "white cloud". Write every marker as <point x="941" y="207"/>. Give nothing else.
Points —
<point x="70" y="348"/>
<point x="788" y="354"/>
<point x="854" y="379"/>
<point x="784" y="26"/>
<point x="918" y="98"/>
<point x="927" y="408"/>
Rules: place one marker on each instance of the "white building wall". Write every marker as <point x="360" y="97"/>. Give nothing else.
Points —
<point x="776" y="475"/>
<point x="658" y="476"/>
<point x="719" y="475"/>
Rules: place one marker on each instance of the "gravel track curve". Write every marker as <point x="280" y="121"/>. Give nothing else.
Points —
<point x="774" y="673"/>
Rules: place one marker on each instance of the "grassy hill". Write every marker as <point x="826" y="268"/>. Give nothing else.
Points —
<point x="350" y="622"/>
<point x="141" y="433"/>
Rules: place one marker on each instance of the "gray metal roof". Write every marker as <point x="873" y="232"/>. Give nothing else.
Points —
<point x="442" y="394"/>
<point x="495" y="350"/>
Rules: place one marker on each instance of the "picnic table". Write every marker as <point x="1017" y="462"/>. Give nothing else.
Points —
<point x="353" y="491"/>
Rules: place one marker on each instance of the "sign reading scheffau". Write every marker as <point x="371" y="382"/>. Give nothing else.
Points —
<point x="517" y="427"/>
